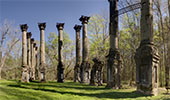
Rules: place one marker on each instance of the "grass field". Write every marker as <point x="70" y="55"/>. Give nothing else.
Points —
<point x="13" y="90"/>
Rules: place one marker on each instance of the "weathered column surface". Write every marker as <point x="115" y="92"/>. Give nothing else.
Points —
<point x="25" y="74"/>
<point x="36" y="64"/>
<point x="113" y="62"/>
<point x="60" y="67"/>
<point x="85" y="66"/>
<point x="29" y="52"/>
<point x="78" y="55"/>
<point x="96" y="72"/>
<point x="146" y="56"/>
<point x="32" y="59"/>
<point x="42" y="27"/>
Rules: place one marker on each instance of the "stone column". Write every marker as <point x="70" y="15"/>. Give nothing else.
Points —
<point x="146" y="56"/>
<point x="29" y="52"/>
<point x="85" y="66"/>
<point x="25" y="74"/>
<point x="93" y="72"/>
<point x="60" y="67"/>
<point x="42" y="27"/>
<point x="78" y="59"/>
<point x="96" y="72"/>
<point x="36" y="64"/>
<point x="113" y="58"/>
<point x="32" y="60"/>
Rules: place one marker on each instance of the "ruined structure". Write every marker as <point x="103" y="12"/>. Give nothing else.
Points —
<point x="32" y="61"/>
<point x="36" y="64"/>
<point x="85" y="66"/>
<point x="42" y="27"/>
<point x="60" y="67"/>
<point x="29" y="52"/>
<point x="25" y="67"/>
<point x="78" y="59"/>
<point x="96" y="72"/>
<point x="146" y="56"/>
<point x="113" y="58"/>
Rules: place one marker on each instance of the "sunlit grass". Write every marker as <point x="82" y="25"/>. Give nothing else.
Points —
<point x="14" y="90"/>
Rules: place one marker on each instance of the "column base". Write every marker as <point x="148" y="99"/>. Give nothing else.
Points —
<point x="60" y="74"/>
<point x="85" y="72"/>
<point x="113" y="69"/>
<point x="25" y="74"/>
<point x="147" y="61"/>
<point x="42" y="72"/>
<point x="77" y="73"/>
<point x="147" y="90"/>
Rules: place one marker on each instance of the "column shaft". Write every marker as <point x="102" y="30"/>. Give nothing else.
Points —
<point x="42" y="47"/>
<point x="85" y="66"/>
<point x="113" y="62"/>
<point x="146" y="21"/>
<point x="25" y="75"/>
<point x="60" y="67"/>
<point x="29" y="52"/>
<point x="78" y="55"/>
<point x="32" y="60"/>
<point x="42" y="27"/>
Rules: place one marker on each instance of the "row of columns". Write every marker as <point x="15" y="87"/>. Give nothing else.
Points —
<point x="30" y="57"/>
<point x="30" y="53"/>
<point x="82" y="70"/>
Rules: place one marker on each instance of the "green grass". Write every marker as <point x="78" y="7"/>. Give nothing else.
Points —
<point x="13" y="90"/>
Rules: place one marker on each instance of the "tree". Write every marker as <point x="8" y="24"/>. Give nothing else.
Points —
<point x="98" y="38"/>
<point x="8" y="39"/>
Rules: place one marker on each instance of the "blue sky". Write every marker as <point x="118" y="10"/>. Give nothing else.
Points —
<point x="50" y="11"/>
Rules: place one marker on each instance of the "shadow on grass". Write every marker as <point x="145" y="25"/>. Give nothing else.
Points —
<point x="15" y="94"/>
<point x="69" y="85"/>
<point x="110" y="95"/>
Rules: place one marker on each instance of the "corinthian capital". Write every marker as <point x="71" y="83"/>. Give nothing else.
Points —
<point x="29" y="34"/>
<point x="42" y="26"/>
<point x="77" y="27"/>
<point x="84" y="19"/>
<point x="24" y="27"/>
<point x="60" y="26"/>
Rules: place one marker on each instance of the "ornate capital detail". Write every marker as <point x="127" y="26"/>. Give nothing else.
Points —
<point x="84" y="19"/>
<point x="29" y="34"/>
<point x="77" y="27"/>
<point x="60" y="26"/>
<point x="24" y="27"/>
<point x="34" y="45"/>
<point x="42" y="26"/>
<point x="32" y="40"/>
